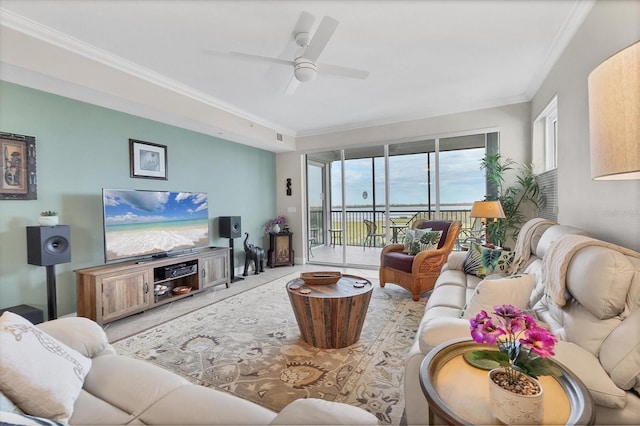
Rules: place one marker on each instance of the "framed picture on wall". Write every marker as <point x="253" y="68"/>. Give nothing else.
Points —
<point x="147" y="160"/>
<point x="18" y="166"/>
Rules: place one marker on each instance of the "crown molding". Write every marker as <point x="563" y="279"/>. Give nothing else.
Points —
<point x="575" y="19"/>
<point x="397" y="120"/>
<point x="78" y="47"/>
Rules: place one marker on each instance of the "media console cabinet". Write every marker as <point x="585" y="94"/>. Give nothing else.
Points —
<point x="109" y="292"/>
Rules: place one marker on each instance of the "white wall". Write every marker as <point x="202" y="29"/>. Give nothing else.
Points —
<point x="610" y="210"/>
<point x="511" y="120"/>
<point x="290" y="165"/>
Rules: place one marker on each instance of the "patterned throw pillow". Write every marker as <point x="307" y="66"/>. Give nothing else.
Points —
<point x="482" y="261"/>
<point x="411" y="240"/>
<point x="40" y="374"/>
<point x="428" y="240"/>
<point x="407" y="240"/>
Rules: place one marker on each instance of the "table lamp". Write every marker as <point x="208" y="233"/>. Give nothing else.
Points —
<point x="487" y="210"/>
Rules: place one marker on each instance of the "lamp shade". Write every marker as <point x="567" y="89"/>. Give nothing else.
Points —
<point x="614" y="116"/>
<point x="487" y="209"/>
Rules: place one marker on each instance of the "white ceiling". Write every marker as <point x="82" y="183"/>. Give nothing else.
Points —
<point x="425" y="58"/>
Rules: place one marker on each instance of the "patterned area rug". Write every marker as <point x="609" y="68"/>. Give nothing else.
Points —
<point x="250" y="345"/>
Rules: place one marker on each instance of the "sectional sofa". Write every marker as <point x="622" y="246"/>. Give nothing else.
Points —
<point x="585" y="290"/>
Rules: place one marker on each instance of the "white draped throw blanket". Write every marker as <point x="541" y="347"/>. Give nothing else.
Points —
<point x="523" y="243"/>
<point x="556" y="262"/>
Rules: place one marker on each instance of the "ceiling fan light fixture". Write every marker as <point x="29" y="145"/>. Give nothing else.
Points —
<point x="303" y="39"/>
<point x="304" y="70"/>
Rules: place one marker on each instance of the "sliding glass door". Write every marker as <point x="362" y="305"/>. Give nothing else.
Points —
<point x="316" y="204"/>
<point x="364" y="204"/>
<point x="372" y="194"/>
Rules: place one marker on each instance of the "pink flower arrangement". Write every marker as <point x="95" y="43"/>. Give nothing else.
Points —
<point x="280" y="220"/>
<point x="523" y="346"/>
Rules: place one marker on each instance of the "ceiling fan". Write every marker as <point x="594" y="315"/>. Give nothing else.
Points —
<point x="305" y="65"/>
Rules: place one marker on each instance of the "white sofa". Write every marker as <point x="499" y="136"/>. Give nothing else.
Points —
<point x="119" y="390"/>
<point x="598" y="327"/>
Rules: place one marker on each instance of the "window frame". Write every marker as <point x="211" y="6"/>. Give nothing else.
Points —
<point x="545" y="137"/>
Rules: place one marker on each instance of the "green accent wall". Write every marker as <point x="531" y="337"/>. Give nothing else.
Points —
<point x="82" y="148"/>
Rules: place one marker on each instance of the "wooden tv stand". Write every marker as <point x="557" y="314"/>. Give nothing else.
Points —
<point x="109" y="292"/>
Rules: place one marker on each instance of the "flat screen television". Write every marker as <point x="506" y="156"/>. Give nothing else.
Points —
<point x="141" y="223"/>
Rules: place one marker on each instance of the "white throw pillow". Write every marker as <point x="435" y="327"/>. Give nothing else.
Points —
<point x="6" y="404"/>
<point x="40" y="374"/>
<point x="17" y="419"/>
<point x="512" y="290"/>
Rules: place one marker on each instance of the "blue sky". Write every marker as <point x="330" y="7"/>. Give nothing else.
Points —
<point x="461" y="179"/>
<point x="127" y="206"/>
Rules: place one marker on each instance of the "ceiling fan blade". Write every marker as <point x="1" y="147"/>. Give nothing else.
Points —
<point x="292" y="86"/>
<point x="259" y="58"/>
<point x="304" y="24"/>
<point x="321" y="37"/>
<point x="342" y="71"/>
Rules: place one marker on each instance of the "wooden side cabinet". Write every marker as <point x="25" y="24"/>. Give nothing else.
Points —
<point x="109" y="292"/>
<point x="280" y="251"/>
<point x="124" y="294"/>
<point x="214" y="270"/>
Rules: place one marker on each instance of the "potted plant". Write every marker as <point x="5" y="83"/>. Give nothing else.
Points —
<point x="525" y="193"/>
<point x="48" y="218"/>
<point x="524" y="347"/>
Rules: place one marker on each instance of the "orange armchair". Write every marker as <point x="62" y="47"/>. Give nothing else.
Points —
<point x="418" y="273"/>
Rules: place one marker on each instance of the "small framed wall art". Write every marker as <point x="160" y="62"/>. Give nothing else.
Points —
<point x="147" y="160"/>
<point x="18" y="163"/>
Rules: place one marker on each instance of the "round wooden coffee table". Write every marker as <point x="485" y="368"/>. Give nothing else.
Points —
<point x="330" y="315"/>
<point x="458" y="393"/>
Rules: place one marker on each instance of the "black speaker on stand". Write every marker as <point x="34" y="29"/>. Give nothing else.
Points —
<point x="230" y="227"/>
<point x="49" y="246"/>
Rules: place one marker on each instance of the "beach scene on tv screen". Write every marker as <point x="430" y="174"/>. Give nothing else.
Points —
<point x="142" y="223"/>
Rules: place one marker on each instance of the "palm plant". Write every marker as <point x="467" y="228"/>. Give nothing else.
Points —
<point x="524" y="193"/>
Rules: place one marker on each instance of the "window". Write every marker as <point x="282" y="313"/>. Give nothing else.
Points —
<point x="544" y="157"/>
<point x="545" y="138"/>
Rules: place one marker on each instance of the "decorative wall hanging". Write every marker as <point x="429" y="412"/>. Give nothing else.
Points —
<point x="289" y="186"/>
<point x="147" y="160"/>
<point x="18" y="163"/>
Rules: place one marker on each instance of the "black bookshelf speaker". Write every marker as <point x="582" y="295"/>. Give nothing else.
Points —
<point x="229" y="226"/>
<point x="48" y="245"/>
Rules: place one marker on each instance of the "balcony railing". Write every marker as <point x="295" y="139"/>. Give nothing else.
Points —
<point x="356" y="230"/>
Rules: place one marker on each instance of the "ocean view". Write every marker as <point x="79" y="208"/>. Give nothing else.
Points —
<point x="403" y="207"/>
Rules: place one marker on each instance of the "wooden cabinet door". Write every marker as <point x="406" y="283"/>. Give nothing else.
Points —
<point x="214" y="270"/>
<point x="125" y="294"/>
<point x="280" y="253"/>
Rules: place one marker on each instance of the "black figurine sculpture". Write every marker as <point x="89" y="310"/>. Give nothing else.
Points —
<point x="255" y="254"/>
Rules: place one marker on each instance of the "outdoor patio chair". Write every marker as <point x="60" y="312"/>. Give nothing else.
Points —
<point x="418" y="273"/>
<point x="336" y="236"/>
<point x="475" y="234"/>
<point x="372" y="236"/>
